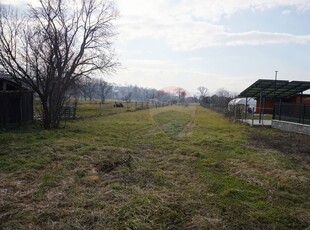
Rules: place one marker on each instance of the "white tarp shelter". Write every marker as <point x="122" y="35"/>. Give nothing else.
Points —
<point x="242" y="102"/>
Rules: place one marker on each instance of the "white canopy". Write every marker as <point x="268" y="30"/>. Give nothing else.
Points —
<point x="242" y="101"/>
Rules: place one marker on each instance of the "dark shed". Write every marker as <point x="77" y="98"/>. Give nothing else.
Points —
<point x="16" y="103"/>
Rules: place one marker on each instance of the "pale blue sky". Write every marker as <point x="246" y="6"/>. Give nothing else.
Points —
<point x="216" y="44"/>
<point x="212" y="43"/>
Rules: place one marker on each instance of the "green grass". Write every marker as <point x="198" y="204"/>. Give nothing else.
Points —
<point x="172" y="122"/>
<point x="166" y="168"/>
<point x="88" y="109"/>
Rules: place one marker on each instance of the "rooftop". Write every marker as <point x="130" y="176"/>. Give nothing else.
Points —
<point x="275" y="89"/>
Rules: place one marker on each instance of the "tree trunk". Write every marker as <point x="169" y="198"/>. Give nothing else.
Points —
<point x="46" y="116"/>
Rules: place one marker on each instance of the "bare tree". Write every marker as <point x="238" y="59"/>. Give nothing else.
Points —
<point x="223" y="98"/>
<point x="54" y="46"/>
<point x="182" y="96"/>
<point x="222" y="93"/>
<point x="179" y="92"/>
<point x="159" y="94"/>
<point x="104" y="89"/>
<point x="88" y="88"/>
<point x="127" y="99"/>
<point x="203" y="91"/>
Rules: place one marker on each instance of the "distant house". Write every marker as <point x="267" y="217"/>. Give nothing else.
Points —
<point x="16" y="103"/>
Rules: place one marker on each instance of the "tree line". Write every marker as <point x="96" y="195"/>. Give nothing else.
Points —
<point x="94" y="88"/>
<point x="219" y="100"/>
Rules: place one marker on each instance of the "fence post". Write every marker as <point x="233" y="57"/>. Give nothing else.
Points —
<point x="246" y="108"/>
<point x="304" y="114"/>
<point x="301" y="112"/>
<point x="280" y="111"/>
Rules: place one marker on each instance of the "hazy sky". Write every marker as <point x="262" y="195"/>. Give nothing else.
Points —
<point x="230" y="44"/>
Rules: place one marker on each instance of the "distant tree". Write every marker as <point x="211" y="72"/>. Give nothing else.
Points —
<point x="160" y="93"/>
<point x="104" y="89"/>
<point x="222" y="92"/>
<point x="135" y="92"/>
<point x="203" y="91"/>
<point x="127" y="99"/>
<point x="52" y="46"/>
<point x="182" y="96"/>
<point x="88" y="88"/>
<point x="195" y="98"/>
<point x="145" y="94"/>
<point x="179" y="91"/>
<point x="222" y="98"/>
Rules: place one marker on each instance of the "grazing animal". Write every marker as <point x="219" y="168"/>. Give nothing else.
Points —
<point x="118" y="105"/>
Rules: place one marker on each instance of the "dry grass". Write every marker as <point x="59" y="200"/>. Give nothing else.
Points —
<point x="140" y="171"/>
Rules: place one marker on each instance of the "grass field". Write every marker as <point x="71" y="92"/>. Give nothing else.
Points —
<point x="166" y="168"/>
<point x="88" y="109"/>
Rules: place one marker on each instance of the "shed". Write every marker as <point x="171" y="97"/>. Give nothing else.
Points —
<point x="16" y="103"/>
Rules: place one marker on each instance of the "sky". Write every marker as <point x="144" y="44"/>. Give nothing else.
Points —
<point x="217" y="44"/>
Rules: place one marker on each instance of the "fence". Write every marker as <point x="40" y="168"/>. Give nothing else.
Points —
<point x="298" y="113"/>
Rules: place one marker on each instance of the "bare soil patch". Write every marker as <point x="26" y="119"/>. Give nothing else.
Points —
<point x="285" y="142"/>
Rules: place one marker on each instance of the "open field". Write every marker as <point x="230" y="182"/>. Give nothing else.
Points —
<point x="87" y="109"/>
<point x="166" y="168"/>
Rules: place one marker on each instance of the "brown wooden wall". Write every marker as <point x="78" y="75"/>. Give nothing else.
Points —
<point x="268" y="104"/>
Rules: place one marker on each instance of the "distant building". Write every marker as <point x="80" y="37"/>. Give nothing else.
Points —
<point x="285" y="100"/>
<point x="270" y="93"/>
<point x="16" y="103"/>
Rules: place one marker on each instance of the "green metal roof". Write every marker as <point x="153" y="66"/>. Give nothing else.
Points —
<point x="275" y="89"/>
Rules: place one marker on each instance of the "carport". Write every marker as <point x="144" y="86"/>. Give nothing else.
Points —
<point x="276" y="96"/>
